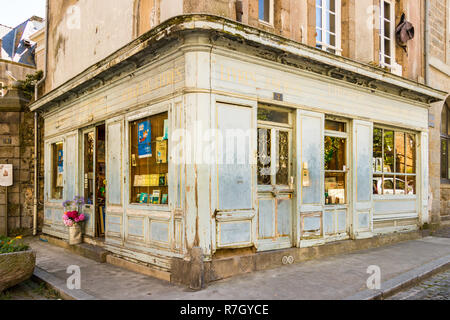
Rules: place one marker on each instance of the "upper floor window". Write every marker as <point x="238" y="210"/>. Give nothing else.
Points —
<point x="445" y="142"/>
<point x="387" y="27"/>
<point x="265" y="11"/>
<point x="2" y="91"/>
<point x="328" y="25"/>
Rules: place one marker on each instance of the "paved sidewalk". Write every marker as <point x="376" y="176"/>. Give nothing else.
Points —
<point x="337" y="277"/>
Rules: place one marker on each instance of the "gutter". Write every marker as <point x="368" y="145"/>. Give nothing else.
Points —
<point x="36" y="127"/>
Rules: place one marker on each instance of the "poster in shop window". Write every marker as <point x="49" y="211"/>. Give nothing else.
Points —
<point x="144" y="137"/>
<point x="6" y="175"/>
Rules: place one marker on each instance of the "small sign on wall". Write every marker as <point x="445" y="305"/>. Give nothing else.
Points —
<point x="6" y="175"/>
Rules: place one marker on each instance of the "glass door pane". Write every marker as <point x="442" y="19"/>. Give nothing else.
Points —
<point x="88" y="174"/>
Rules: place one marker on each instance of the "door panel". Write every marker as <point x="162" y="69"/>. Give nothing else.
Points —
<point x="266" y="218"/>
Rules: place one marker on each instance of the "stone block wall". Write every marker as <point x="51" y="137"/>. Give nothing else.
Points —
<point x="17" y="148"/>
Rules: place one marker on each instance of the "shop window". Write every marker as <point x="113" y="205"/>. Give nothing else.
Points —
<point x="149" y="160"/>
<point x="328" y="25"/>
<point x="445" y="143"/>
<point x="265" y="11"/>
<point x="387" y="25"/>
<point x="57" y="171"/>
<point x="394" y="162"/>
<point x="335" y="163"/>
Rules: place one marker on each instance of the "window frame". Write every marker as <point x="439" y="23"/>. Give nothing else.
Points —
<point x="136" y="116"/>
<point x="52" y="143"/>
<point x="382" y="53"/>
<point x="274" y="128"/>
<point x="445" y="136"/>
<point x="346" y="134"/>
<point x="271" y="13"/>
<point x="395" y="174"/>
<point x="338" y="21"/>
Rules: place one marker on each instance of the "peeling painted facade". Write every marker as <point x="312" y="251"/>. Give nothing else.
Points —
<point x="213" y="75"/>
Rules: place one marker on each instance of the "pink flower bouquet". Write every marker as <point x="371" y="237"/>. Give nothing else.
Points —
<point x="72" y="217"/>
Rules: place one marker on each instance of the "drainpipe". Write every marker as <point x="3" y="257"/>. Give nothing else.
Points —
<point x="36" y="129"/>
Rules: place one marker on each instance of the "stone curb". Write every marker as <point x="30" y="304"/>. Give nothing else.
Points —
<point x="407" y="279"/>
<point x="60" y="286"/>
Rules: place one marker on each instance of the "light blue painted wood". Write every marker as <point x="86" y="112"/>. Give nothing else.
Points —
<point x="48" y="214"/>
<point x="136" y="227"/>
<point x="234" y="167"/>
<point x="364" y="152"/>
<point x="310" y="148"/>
<point x="363" y="220"/>
<point x="114" y="163"/>
<point x="266" y="213"/>
<point x="159" y="231"/>
<point x="341" y="221"/>
<point x="311" y="224"/>
<point x="235" y="232"/>
<point x="390" y="206"/>
<point x="71" y="165"/>
<point x="284" y="216"/>
<point x="328" y="222"/>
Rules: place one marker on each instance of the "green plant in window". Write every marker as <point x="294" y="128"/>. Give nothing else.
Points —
<point x="331" y="148"/>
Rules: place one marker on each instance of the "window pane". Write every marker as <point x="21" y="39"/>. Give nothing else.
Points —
<point x="282" y="177"/>
<point x="387" y="60"/>
<point x="149" y="167"/>
<point x="330" y="23"/>
<point x="448" y="119"/>
<point x="264" y="145"/>
<point x="388" y="158"/>
<point x="444" y="157"/>
<point x="266" y="10"/>
<point x="335" y="188"/>
<point x="410" y="153"/>
<point x="334" y="153"/>
<point x="387" y="29"/>
<point x="387" y="10"/>
<point x="331" y="5"/>
<point x="444" y="120"/>
<point x="387" y="47"/>
<point x="331" y="39"/>
<point x="411" y="185"/>
<point x="57" y="170"/>
<point x="319" y="3"/>
<point x="399" y="152"/>
<point x="318" y="35"/>
<point x="377" y="150"/>
<point x="388" y="185"/>
<point x="377" y="182"/>
<point x="273" y="115"/>
<point x="89" y="167"/>
<point x="400" y="182"/>
<point x="319" y="17"/>
<point x="334" y="125"/>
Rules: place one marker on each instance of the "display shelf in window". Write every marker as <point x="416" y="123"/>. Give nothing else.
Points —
<point x="149" y="159"/>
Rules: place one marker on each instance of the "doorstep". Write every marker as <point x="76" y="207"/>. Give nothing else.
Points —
<point x="86" y="250"/>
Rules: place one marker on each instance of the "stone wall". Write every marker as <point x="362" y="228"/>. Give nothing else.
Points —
<point x="17" y="148"/>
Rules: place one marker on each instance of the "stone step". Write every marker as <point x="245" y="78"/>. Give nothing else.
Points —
<point x="86" y="250"/>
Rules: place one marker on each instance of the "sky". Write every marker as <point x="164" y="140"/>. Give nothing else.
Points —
<point x="14" y="12"/>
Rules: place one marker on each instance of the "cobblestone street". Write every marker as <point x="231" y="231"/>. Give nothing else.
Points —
<point x="434" y="288"/>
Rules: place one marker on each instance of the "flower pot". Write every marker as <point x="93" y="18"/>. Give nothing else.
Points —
<point x="75" y="235"/>
<point x="16" y="267"/>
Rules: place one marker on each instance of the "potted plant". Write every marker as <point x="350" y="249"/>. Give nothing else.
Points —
<point x="17" y="262"/>
<point x="73" y="218"/>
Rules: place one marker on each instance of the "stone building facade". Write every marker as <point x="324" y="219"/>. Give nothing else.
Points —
<point x="438" y="71"/>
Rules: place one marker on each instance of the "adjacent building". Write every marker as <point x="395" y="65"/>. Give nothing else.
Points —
<point x="17" y="60"/>
<point x="214" y="130"/>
